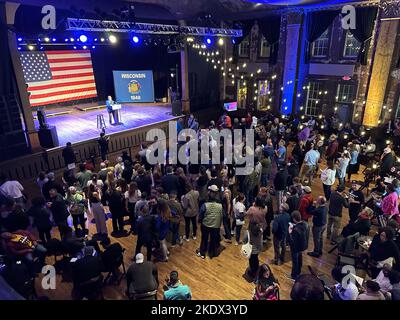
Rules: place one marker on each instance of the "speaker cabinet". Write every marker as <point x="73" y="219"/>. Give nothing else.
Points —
<point x="177" y="108"/>
<point x="48" y="137"/>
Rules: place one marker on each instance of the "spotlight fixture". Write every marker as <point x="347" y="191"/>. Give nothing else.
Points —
<point x="102" y="39"/>
<point x="83" y="38"/>
<point x="47" y="39"/>
<point x="208" y="41"/>
<point x="31" y="47"/>
<point x="112" y="39"/>
<point x="135" y="39"/>
<point x="19" y="39"/>
<point x="221" y="41"/>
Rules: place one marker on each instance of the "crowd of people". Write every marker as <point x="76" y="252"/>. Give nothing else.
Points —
<point x="275" y="203"/>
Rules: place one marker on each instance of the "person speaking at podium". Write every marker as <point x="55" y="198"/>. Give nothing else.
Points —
<point x="113" y="109"/>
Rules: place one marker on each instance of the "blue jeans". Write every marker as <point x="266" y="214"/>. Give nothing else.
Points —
<point x="175" y="232"/>
<point x="264" y="180"/>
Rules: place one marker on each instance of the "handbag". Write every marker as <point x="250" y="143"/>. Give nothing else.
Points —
<point x="247" y="247"/>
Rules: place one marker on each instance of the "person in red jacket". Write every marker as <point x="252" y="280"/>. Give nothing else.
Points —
<point x="22" y="244"/>
<point x="332" y="150"/>
<point x="305" y="201"/>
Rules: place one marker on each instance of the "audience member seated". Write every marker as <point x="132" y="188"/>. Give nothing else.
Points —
<point x="175" y="289"/>
<point x="86" y="276"/>
<point x="267" y="287"/>
<point x="142" y="280"/>
<point x="307" y="287"/>
<point x="394" y="293"/>
<point x="340" y="291"/>
<point x="362" y="224"/>
<point x="383" y="250"/>
<point x="21" y="244"/>
<point x="383" y="278"/>
<point x="372" y="292"/>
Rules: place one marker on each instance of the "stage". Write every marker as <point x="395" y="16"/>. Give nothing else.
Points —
<point x="77" y="126"/>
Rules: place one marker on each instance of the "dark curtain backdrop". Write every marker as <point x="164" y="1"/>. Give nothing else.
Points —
<point x="316" y="24"/>
<point x="125" y="56"/>
<point x="365" y="19"/>
<point x="204" y="83"/>
<point x="270" y="29"/>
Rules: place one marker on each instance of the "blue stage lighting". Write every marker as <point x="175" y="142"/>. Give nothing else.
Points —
<point x="208" y="40"/>
<point x="135" y="39"/>
<point x="54" y="39"/>
<point x="19" y="48"/>
<point x="83" y="38"/>
<point x="95" y="40"/>
<point x="233" y="40"/>
<point x="19" y="39"/>
<point x="74" y="47"/>
<point x="66" y="39"/>
<point x="93" y="47"/>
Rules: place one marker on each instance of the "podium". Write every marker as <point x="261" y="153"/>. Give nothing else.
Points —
<point x="116" y="108"/>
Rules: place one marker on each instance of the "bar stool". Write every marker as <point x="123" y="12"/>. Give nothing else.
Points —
<point x="101" y="124"/>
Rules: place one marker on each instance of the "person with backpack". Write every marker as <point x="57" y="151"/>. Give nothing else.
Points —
<point x="190" y="204"/>
<point x="176" y="214"/>
<point x="298" y="241"/>
<point x="76" y="202"/>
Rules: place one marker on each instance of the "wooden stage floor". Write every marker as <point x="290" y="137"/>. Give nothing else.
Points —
<point x="209" y="279"/>
<point x="82" y="125"/>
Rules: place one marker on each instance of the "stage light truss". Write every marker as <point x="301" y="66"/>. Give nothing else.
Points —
<point x="147" y="28"/>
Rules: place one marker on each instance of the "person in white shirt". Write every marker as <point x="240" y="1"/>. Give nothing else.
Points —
<point x="344" y="290"/>
<point x="310" y="164"/>
<point x="383" y="278"/>
<point x="12" y="189"/>
<point x="239" y="211"/>
<point x="119" y="167"/>
<point x="328" y="177"/>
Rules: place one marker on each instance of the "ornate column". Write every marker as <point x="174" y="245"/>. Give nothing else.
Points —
<point x="382" y="62"/>
<point x="185" y="76"/>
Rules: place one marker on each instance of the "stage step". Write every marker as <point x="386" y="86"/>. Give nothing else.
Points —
<point x="54" y="114"/>
<point x="90" y="108"/>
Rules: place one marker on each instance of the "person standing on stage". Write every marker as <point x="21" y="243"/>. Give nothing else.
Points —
<point x="103" y="144"/>
<point x="109" y="104"/>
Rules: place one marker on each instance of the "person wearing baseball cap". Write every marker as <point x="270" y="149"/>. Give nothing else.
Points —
<point x="305" y="201"/>
<point x="175" y="289"/>
<point x="142" y="279"/>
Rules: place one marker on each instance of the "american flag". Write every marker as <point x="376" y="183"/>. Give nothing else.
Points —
<point x="58" y="76"/>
